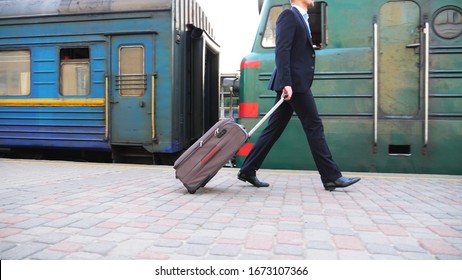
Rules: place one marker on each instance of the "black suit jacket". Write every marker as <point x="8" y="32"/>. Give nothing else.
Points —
<point x="295" y="55"/>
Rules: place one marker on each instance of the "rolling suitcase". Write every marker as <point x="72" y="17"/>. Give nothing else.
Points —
<point x="197" y="165"/>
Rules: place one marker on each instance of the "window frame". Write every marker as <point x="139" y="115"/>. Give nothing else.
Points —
<point x="65" y="61"/>
<point x="28" y="79"/>
<point x="316" y="23"/>
<point x="127" y="83"/>
<point x="437" y="29"/>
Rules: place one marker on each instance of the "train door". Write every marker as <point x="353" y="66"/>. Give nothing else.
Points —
<point x="132" y="69"/>
<point x="399" y="59"/>
<point x="205" y="83"/>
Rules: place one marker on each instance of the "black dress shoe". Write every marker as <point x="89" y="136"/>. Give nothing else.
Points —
<point x="341" y="182"/>
<point x="252" y="179"/>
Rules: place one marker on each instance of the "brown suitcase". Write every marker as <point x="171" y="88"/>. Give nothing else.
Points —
<point x="208" y="155"/>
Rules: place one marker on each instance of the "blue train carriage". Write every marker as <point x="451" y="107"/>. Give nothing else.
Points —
<point x="136" y="78"/>
<point x="388" y="85"/>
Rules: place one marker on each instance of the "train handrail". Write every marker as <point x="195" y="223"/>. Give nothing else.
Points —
<point x="153" y="104"/>
<point x="106" y="95"/>
<point x="376" y="86"/>
<point x="426" y="82"/>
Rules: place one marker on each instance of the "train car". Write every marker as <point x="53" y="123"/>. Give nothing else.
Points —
<point x="130" y="77"/>
<point x="388" y="85"/>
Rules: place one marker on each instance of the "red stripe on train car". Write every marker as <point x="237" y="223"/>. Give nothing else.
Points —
<point x="246" y="64"/>
<point x="248" y="109"/>
<point x="245" y="150"/>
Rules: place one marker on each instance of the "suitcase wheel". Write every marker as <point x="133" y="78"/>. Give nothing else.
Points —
<point x="191" y="191"/>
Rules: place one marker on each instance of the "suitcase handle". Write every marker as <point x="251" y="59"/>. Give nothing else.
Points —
<point x="268" y="114"/>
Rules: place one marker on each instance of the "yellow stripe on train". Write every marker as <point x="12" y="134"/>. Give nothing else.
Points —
<point x="51" y="102"/>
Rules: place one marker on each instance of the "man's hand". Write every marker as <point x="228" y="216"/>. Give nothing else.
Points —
<point x="288" y="91"/>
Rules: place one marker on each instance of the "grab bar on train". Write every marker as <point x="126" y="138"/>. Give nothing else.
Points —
<point x="426" y="83"/>
<point x="376" y="86"/>
<point x="153" y="104"/>
<point x="413" y="45"/>
<point x="106" y="95"/>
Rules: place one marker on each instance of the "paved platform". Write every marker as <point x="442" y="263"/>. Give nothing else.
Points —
<point x="66" y="210"/>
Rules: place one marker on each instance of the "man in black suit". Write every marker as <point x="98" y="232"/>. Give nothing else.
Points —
<point x="293" y="76"/>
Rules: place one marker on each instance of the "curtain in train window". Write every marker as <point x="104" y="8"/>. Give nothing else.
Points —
<point x="318" y="25"/>
<point x="75" y="71"/>
<point x="14" y="73"/>
<point x="132" y="76"/>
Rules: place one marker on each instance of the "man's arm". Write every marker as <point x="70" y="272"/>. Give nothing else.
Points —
<point x="285" y="32"/>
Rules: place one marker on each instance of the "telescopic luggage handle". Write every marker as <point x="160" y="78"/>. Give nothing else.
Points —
<point x="268" y="114"/>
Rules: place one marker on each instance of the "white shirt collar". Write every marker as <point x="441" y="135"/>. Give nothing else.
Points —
<point x="301" y="10"/>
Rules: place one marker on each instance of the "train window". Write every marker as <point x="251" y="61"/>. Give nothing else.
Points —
<point x="318" y="25"/>
<point x="14" y="73"/>
<point x="269" y="37"/>
<point x="132" y="76"/>
<point x="75" y="71"/>
<point x="447" y="22"/>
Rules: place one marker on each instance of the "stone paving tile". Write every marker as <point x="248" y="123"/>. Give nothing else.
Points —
<point x="447" y="257"/>
<point x="314" y="254"/>
<point x="83" y="256"/>
<point x="321" y="245"/>
<point x="101" y="248"/>
<point x="234" y="233"/>
<point x="343" y="242"/>
<point x="31" y="223"/>
<point x="259" y="242"/>
<point x="6" y="245"/>
<point x="383" y="249"/>
<point x="20" y="238"/>
<point x="385" y="257"/>
<point x="95" y="232"/>
<point x="290" y="237"/>
<point x="353" y="255"/>
<point x="226" y="250"/>
<point x="48" y="255"/>
<point x="439" y="247"/>
<point x="417" y="256"/>
<point x="66" y="247"/>
<point x="105" y="211"/>
<point x="317" y="234"/>
<point x="342" y="231"/>
<point x="52" y="238"/>
<point x="292" y="250"/>
<point x="22" y="251"/>
<point x="445" y="231"/>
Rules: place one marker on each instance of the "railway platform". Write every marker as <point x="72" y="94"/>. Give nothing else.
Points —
<point x="56" y="210"/>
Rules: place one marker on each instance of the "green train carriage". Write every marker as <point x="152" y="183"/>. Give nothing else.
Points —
<point x="388" y="85"/>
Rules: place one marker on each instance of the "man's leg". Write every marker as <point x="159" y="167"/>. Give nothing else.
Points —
<point x="276" y="125"/>
<point x="306" y="110"/>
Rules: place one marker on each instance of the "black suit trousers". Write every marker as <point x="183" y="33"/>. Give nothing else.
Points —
<point x="304" y="106"/>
